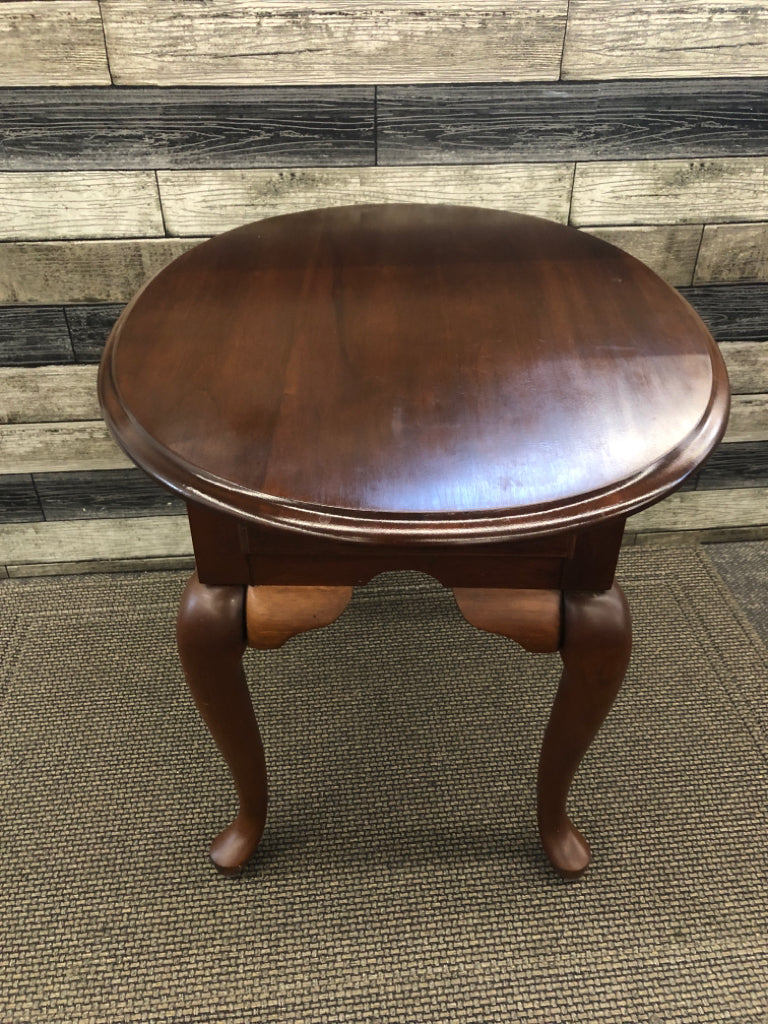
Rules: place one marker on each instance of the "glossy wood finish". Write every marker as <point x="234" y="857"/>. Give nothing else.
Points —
<point x="481" y="396"/>
<point x="408" y="340"/>
<point x="597" y="640"/>
<point x="211" y="639"/>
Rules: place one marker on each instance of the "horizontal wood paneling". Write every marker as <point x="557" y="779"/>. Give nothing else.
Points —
<point x="749" y="418"/>
<point x="105" y="494"/>
<point x="89" y="328"/>
<point x="34" y="336"/>
<point x="735" y="466"/>
<point x="19" y="502"/>
<point x="58" y="447"/>
<point x="67" y="568"/>
<point x="145" y="537"/>
<point x="670" y="249"/>
<point x="747" y="363"/>
<point x="665" y="39"/>
<point x="234" y="42"/>
<point x="81" y="204"/>
<point x="88" y="272"/>
<point x="48" y="394"/>
<point x="207" y="202"/>
<point x="67" y="129"/>
<point x="59" y="42"/>
<point x="670" y="191"/>
<point x="732" y="312"/>
<point x="733" y="252"/>
<point x="571" y="121"/>
<point x="706" y="510"/>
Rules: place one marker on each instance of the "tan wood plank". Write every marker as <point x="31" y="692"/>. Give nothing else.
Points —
<point x="73" y="204"/>
<point x="670" y="191"/>
<point x="59" y="42"/>
<point x="238" y="42"/>
<point x="90" y="271"/>
<point x="666" y="39"/>
<point x="747" y="363"/>
<point x="94" y="540"/>
<point x="58" y="447"/>
<point x="705" y="510"/>
<point x="749" y="418"/>
<point x="733" y="252"/>
<point x="206" y="202"/>
<point x="669" y="249"/>
<point x="48" y="394"/>
<point x="716" y="535"/>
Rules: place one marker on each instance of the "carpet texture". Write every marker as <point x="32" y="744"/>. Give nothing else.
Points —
<point x="400" y="877"/>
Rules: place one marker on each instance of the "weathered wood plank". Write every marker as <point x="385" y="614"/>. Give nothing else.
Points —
<point x="60" y="42"/>
<point x="716" y="535"/>
<point x="96" y="271"/>
<point x="747" y="363"/>
<point x="670" y="191"/>
<point x="147" y="537"/>
<point x="58" y="447"/>
<point x="735" y="466"/>
<point x="206" y="202"/>
<point x="89" y="328"/>
<point x="705" y="510"/>
<point x="158" y="564"/>
<point x="108" y="494"/>
<point x="733" y="312"/>
<point x="749" y="418"/>
<point x="67" y="129"/>
<point x="82" y="204"/>
<point x="48" y="394"/>
<point x="571" y="121"/>
<point x="665" y="39"/>
<point x="669" y="249"/>
<point x="34" y="336"/>
<point x="733" y="252"/>
<point x="294" y="42"/>
<point x="19" y="502"/>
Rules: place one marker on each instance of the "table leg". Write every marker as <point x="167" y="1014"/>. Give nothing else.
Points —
<point x="597" y="638"/>
<point x="211" y="637"/>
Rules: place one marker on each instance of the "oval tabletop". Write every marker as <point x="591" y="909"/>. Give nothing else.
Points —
<point x="414" y="373"/>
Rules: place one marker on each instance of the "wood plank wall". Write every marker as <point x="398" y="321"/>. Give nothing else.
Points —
<point x="130" y="129"/>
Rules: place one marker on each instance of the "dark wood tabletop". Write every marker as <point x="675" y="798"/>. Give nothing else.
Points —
<point x="415" y="374"/>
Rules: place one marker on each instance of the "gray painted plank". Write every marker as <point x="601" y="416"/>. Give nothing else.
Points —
<point x="733" y="312"/>
<point x="60" y="42"/>
<point x="191" y="42"/>
<point x="571" y="121"/>
<point x="207" y="202"/>
<point x="665" y="39"/>
<point x="79" y="204"/>
<point x="34" y="336"/>
<point x="89" y="328"/>
<point x="18" y="499"/>
<point x="108" y="494"/>
<point x="670" y="191"/>
<point x="66" y="129"/>
<point x="733" y="252"/>
<point x="734" y="466"/>
<point x="83" y="272"/>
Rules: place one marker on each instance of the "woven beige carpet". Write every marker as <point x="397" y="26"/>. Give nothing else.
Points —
<point x="400" y="878"/>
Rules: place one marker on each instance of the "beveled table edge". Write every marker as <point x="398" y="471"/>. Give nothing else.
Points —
<point x="620" y="500"/>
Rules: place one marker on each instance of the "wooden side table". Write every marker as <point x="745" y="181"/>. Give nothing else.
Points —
<point x="477" y="395"/>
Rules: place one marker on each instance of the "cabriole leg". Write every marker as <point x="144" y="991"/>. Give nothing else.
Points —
<point x="211" y="638"/>
<point x="597" y="638"/>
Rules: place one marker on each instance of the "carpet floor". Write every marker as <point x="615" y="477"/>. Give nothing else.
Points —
<point x="400" y="877"/>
